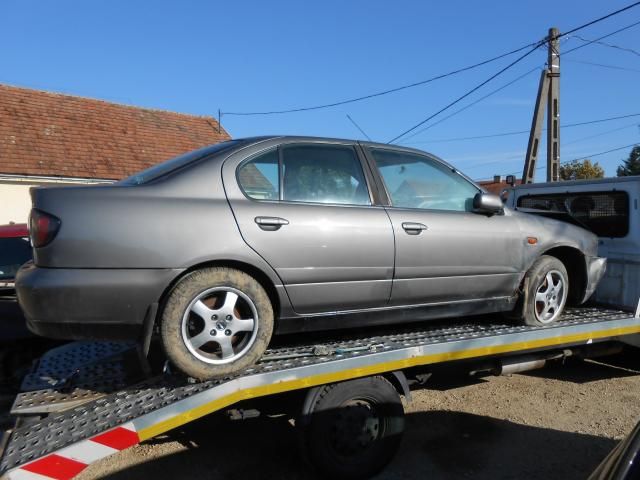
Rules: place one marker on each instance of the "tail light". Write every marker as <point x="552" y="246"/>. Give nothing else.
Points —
<point x="43" y="227"/>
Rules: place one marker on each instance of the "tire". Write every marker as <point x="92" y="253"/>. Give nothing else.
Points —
<point x="216" y="322"/>
<point x="545" y="301"/>
<point x="353" y="429"/>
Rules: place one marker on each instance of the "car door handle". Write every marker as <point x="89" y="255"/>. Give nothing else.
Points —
<point x="271" y="223"/>
<point x="413" y="228"/>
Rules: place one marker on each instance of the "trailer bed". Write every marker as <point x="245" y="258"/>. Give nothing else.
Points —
<point x="95" y="404"/>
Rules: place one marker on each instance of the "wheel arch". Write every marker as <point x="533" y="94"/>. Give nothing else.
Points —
<point x="262" y="277"/>
<point x="574" y="261"/>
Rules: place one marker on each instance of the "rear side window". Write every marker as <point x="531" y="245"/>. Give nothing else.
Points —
<point x="323" y="174"/>
<point x="259" y="177"/>
<point x="306" y="173"/>
<point x="604" y="213"/>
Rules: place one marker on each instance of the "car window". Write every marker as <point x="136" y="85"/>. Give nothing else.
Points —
<point x="176" y="163"/>
<point x="604" y="213"/>
<point x="415" y="181"/>
<point x="323" y="174"/>
<point x="13" y="253"/>
<point x="259" y="177"/>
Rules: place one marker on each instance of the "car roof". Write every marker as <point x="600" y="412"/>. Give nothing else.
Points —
<point x="304" y="138"/>
<point x="14" y="230"/>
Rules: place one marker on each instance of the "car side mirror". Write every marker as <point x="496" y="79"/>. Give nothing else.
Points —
<point x="487" y="203"/>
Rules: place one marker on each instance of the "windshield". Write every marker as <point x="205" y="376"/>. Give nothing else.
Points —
<point x="175" y="163"/>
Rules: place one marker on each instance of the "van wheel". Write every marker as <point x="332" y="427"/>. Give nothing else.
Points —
<point x="216" y="322"/>
<point x="547" y="290"/>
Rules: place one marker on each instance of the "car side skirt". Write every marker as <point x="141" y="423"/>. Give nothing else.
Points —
<point x="394" y="315"/>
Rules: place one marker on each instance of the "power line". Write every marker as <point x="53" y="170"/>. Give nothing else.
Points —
<point x="585" y="25"/>
<point x="519" y="132"/>
<point x="577" y="61"/>
<point x="601" y="38"/>
<point x="474" y="102"/>
<point x="521" y="155"/>
<point x="462" y="97"/>
<point x="603" y="65"/>
<point x="634" y="124"/>
<point x="385" y="92"/>
<point x="610" y="45"/>
<point x="597" y="20"/>
<point x="585" y="157"/>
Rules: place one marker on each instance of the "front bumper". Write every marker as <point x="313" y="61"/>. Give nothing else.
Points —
<point x="596" y="266"/>
<point x="97" y="304"/>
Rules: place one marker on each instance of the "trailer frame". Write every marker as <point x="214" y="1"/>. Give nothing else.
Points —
<point x="59" y="432"/>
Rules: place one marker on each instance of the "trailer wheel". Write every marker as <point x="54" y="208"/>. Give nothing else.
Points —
<point x="216" y="322"/>
<point x="547" y="290"/>
<point x="352" y="429"/>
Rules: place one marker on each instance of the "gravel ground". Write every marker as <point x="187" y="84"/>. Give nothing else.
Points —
<point x="558" y="422"/>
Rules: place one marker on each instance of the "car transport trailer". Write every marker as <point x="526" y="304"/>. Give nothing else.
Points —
<point x="87" y="400"/>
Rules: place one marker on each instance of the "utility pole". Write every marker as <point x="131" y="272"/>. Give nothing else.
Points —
<point x="553" y="107"/>
<point x="549" y="92"/>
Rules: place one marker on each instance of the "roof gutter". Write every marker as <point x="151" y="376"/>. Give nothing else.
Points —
<point x="7" y="177"/>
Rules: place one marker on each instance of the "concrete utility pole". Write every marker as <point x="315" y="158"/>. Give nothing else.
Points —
<point x="549" y="91"/>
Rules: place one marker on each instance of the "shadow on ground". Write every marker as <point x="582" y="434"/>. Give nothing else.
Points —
<point x="590" y="370"/>
<point x="436" y="445"/>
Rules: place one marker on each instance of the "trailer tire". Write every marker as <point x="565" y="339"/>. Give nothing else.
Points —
<point x="353" y="429"/>
<point x="547" y="289"/>
<point x="226" y="308"/>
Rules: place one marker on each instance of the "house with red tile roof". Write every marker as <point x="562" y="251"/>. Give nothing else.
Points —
<point x="50" y="138"/>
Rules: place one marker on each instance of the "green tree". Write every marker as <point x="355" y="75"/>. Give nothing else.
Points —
<point x="630" y="166"/>
<point x="581" y="170"/>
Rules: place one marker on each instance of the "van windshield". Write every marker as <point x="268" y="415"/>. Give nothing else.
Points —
<point x="164" y="168"/>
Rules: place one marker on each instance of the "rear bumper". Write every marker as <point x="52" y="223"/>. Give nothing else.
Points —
<point x="596" y="266"/>
<point x="97" y="304"/>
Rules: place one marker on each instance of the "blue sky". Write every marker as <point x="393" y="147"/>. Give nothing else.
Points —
<point x="200" y="56"/>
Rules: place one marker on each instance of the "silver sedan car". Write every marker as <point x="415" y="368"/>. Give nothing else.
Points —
<point x="219" y="248"/>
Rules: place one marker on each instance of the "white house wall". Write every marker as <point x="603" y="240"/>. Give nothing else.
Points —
<point x="15" y="202"/>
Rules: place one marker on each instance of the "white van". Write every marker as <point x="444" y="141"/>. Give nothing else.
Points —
<point x="609" y="208"/>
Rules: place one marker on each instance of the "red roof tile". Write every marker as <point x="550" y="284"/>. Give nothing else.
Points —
<point x="51" y="134"/>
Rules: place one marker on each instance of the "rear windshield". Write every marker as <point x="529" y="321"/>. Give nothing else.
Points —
<point x="13" y="253"/>
<point x="604" y="213"/>
<point x="164" y="168"/>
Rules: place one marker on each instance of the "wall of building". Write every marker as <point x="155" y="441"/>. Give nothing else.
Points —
<point x="15" y="202"/>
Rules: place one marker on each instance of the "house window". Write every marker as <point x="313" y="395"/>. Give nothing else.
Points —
<point x="604" y="213"/>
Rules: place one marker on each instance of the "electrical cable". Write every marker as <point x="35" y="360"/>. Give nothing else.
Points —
<point x="520" y="132"/>
<point x="473" y="103"/>
<point x="573" y="30"/>
<point x="384" y="92"/>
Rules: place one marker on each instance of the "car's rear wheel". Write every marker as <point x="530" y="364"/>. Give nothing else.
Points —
<point x="216" y="322"/>
<point x="548" y="287"/>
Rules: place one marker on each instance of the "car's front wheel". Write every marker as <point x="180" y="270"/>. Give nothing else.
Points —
<point x="547" y="284"/>
<point x="216" y="322"/>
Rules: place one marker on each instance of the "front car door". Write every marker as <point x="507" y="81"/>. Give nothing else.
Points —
<point x="444" y="251"/>
<point x="306" y="208"/>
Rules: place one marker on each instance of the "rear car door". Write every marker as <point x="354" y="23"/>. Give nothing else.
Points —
<point x="444" y="251"/>
<point x="306" y="208"/>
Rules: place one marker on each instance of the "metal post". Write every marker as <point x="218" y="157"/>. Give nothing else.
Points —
<point x="219" y="121"/>
<point x="528" y="174"/>
<point x="553" y="107"/>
